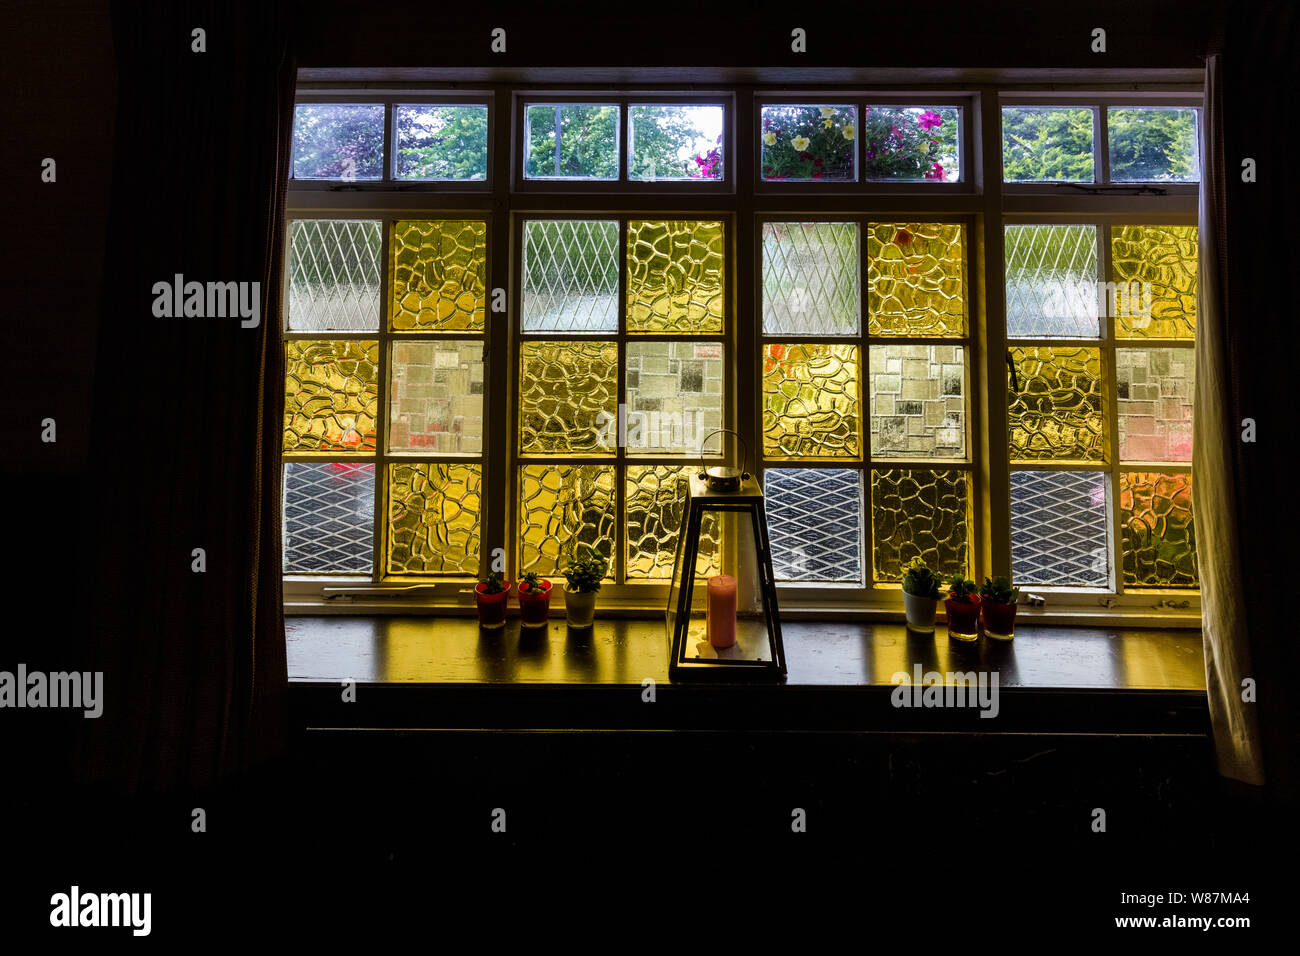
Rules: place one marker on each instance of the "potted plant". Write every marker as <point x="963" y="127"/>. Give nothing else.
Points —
<point x="920" y="595"/>
<point x="963" y="608"/>
<point x="998" y="608"/>
<point x="583" y="576"/>
<point x="490" y="595"/>
<point x="534" y="599"/>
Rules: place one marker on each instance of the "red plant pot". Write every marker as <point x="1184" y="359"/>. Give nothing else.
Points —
<point x="999" y="619"/>
<point x="534" y="605"/>
<point x="491" y="607"/>
<point x="963" y="618"/>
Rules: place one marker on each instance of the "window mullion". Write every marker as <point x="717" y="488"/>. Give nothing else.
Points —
<point x="992" y="476"/>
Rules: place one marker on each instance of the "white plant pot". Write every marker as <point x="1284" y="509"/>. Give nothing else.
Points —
<point x="920" y="612"/>
<point x="579" y="608"/>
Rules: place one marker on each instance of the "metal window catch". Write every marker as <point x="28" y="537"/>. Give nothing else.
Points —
<point x="1011" y="367"/>
<point x="1035" y="600"/>
<point x="724" y="477"/>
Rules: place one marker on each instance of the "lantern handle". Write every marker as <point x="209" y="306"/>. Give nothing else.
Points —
<point x="744" y="466"/>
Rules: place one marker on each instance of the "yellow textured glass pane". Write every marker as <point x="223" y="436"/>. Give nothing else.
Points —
<point x="433" y="519"/>
<point x="654" y="501"/>
<point x="919" y="513"/>
<point x="1055" y="405"/>
<point x="439" y="271"/>
<point x="811" y="402"/>
<point x="916" y="279"/>
<point x="560" y="507"/>
<point x="1159" y="535"/>
<point x="1153" y="292"/>
<point x="568" y="398"/>
<point x="674" y="276"/>
<point x="331" y="396"/>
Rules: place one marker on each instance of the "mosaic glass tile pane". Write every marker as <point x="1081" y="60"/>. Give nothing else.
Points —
<point x="674" y="276"/>
<point x="568" y="398"/>
<point x="911" y="144"/>
<point x="439" y="275"/>
<point x="917" y="512"/>
<point x="1056" y="412"/>
<point x="436" y="399"/>
<point x="571" y="141"/>
<point x="333" y="267"/>
<point x="1059" y="528"/>
<point x="673" y="392"/>
<point x="331" y="396"/>
<point x="1159" y="538"/>
<point x="342" y="141"/>
<point x="570" y="276"/>
<point x="675" y="142"/>
<point x="810" y="401"/>
<point x="814" y="518"/>
<point x="916" y="279"/>
<point x="1051" y="276"/>
<point x="1154" y="273"/>
<point x="654" y="501"/>
<point x="1047" y="144"/>
<point x="1152" y="144"/>
<point x="811" y="278"/>
<point x="440" y="143"/>
<point x="1155" y="388"/>
<point x="433" y="518"/>
<point x="329" y="517"/>
<point x="809" y="143"/>
<point x="918" y="401"/>
<point x="561" y="506"/>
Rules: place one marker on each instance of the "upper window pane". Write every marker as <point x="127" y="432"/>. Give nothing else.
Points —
<point x="811" y="278"/>
<point x="807" y="143"/>
<point x="1153" y="145"/>
<point x="442" y="143"/>
<point x="675" y="142"/>
<point x="911" y="143"/>
<point x="338" y="141"/>
<point x="570" y="275"/>
<point x="1047" y="144"/>
<point x="571" y="141"/>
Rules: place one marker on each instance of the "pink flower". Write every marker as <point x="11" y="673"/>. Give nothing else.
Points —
<point x="929" y="120"/>
<point x="935" y="173"/>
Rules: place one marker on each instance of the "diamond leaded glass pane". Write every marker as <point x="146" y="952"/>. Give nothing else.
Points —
<point x="329" y="517"/>
<point x="674" y="276"/>
<point x="1055" y="406"/>
<point x="333" y="275"/>
<point x="811" y="278"/>
<point x="1159" y="537"/>
<point x="1058" y="528"/>
<point x="331" y="396"/>
<point x="919" y="513"/>
<point x="570" y="276"/>
<point x="433" y="518"/>
<point x="439" y="275"/>
<point x="916" y="279"/>
<point x="655" y="499"/>
<point x="814" y="518"/>
<point x="1051" y="275"/>
<point x="561" y="506"/>
<point x="1154" y="273"/>
<point x="918" y="403"/>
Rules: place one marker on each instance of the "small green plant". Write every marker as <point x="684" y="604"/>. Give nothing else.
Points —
<point x="961" y="589"/>
<point x="493" y="582"/>
<point x="586" y="570"/>
<point x="920" y="581"/>
<point x="532" y="579"/>
<point x="999" y="591"/>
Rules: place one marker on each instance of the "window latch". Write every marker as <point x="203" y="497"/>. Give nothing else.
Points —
<point x="1011" y="367"/>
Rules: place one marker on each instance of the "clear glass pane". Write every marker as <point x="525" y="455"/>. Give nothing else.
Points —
<point x="570" y="276"/>
<point x="329" y="517"/>
<point x="571" y="141"/>
<point x="675" y="276"/>
<point x="439" y="275"/>
<point x="673" y="392"/>
<point x="809" y="143"/>
<point x="814" y="518"/>
<point x="916" y="279"/>
<point x="436" y="400"/>
<point x="1047" y="144"/>
<point x="1155" y="388"/>
<point x="560" y="507"/>
<point x="1159" y="538"/>
<point x="1153" y="295"/>
<point x="654" y="500"/>
<point x="442" y="143"/>
<point x="1153" y="145"/>
<point x="342" y="141"/>
<point x="331" y="396"/>
<point x="918" y="401"/>
<point x="811" y="278"/>
<point x="911" y="144"/>
<point x="568" y="398"/>
<point x="810" y="401"/>
<point x="1059" y="528"/>
<point x="334" y="275"/>
<point x="1052" y="281"/>
<point x="433" y="518"/>
<point x="1055" y="405"/>
<point x="919" y="513"/>
<point x="675" y="142"/>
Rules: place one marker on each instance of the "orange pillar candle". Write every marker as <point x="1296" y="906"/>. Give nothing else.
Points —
<point x="720" y="611"/>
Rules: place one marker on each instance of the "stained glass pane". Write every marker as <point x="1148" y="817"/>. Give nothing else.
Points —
<point x="343" y="141"/>
<point x="673" y="393"/>
<point x="439" y="275"/>
<point x="1159" y="539"/>
<point x="814" y="518"/>
<point x="811" y="278"/>
<point x="436" y="400"/>
<point x="911" y="143"/>
<point x="916" y="279"/>
<point x="571" y="141"/>
<point x="329" y="517"/>
<point x="918" y="403"/>
<point x="1058" y="528"/>
<point x="1153" y="145"/>
<point x="333" y="275"/>
<point x="433" y="518"/>
<point x="331" y="396"/>
<point x="1052" y="282"/>
<point x="1154" y="291"/>
<point x="674" y="276"/>
<point x="810" y="401"/>
<point x="923" y="513"/>
<point x="568" y="398"/>
<point x="1055" y="405"/>
<point x="675" y="142"/>
<point x="570" y="276"/>
<point x="441" y="142"/>
<point x="809" y="143"/>
<point x="561" y="506"/>
<point x="654" y="500"/>
<point x="1155" y="389"/>
<point x="1046" y="144"/>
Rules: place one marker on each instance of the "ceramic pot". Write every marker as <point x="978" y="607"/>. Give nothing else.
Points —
<point x="920" y="612"/>
<point x="963" y="619"/>
<point x="491" y="607"/>
<point x="999" y="620"/>
<point x="534" y="605"/>
<point x="580" y="607"/>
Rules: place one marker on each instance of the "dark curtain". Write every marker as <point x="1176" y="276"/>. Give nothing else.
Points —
<point x="186" y="420"/>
